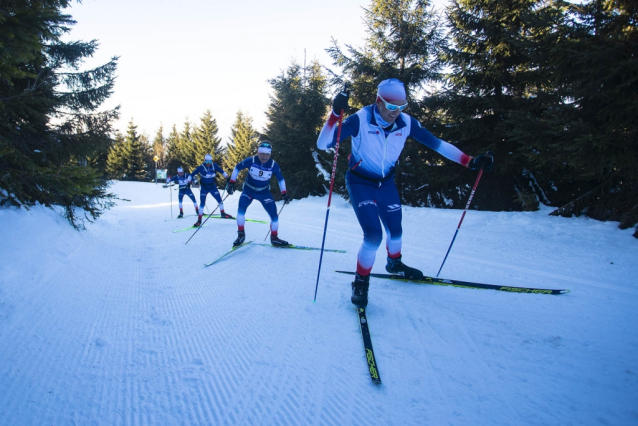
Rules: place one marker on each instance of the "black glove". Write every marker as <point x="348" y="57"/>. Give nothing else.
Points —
<point x="230" y="187"/>
<point x="340" y="102"/>
<point x="285" y="197"/>
<point x="484" y="161"/>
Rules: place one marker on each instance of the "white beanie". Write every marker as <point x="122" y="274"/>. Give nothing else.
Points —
<point x="392" y="90"/>
<point x="208" y="157"/>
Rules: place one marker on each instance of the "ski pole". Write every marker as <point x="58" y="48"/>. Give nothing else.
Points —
<point x="332" y="183"/>
<point x="224" y="199"/>
<point x="170" y="190"/>
<point x="282" y="207"/>
<point x="462" y="217"/>
<point x="208" y="217"/>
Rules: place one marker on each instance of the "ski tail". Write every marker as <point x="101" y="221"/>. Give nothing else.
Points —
<point x="228" y="252"/>
<point x="188" y="229"/>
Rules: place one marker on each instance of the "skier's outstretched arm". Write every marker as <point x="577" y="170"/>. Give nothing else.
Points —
<point x="239" y="167"/>
<point x="449" y="151"/>
<point x="446" y="149"/>
<point x="218" y="169"/>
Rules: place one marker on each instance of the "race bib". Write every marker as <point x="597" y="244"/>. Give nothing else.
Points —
<point x="260" y="174"/>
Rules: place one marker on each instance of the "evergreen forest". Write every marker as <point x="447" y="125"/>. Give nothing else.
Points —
<point x="550" y="87"/>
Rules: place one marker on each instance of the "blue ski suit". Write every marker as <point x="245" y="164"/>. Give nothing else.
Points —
<point x="184" y="183"/>
<point x="207" y="184"/>
<point x="257" y="187"/>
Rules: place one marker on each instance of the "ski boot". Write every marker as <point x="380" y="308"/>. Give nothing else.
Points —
<point x="225" y="215"/>
<point x="181" y="214"/>
<point x="396" y="267"/>
<point x="199" y="222"/>
<point x="360" y="290"/>
<point x="276" y="241"/>
<point x="241" y="237"/>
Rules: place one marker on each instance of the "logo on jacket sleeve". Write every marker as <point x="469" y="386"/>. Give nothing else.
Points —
<point x="394" y="208"/>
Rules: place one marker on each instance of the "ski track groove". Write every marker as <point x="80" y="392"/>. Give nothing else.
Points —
<point x="219" y="344"/>
<point x="488" y="374"/>
<point x="464" y="350"/>
<point x="48" y="298"/>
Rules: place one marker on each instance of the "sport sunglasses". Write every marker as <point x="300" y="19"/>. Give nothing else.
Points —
<point x="392" y="107"/>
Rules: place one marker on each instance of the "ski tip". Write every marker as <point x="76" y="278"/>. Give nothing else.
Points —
<point x="564" y="291"/>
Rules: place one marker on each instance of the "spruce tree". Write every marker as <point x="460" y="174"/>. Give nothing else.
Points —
<point x="295" y="117"/>
<point x="243" y="144"/>
<point x="176" y="152"/>
<point x="52" y="161"/>
<point x="115" y="163"/>
<point x="206" y="141"/>
<point x="496" y="86"/>
<point x="159" y="147"/>
<point x="187" y="146"/>
<point x="590" y="143"/>
<point x="135" y="167"/>
<point x="147" y="154"/>
<point x="403" y="41"/>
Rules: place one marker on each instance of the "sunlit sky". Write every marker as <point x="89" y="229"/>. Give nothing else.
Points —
<point x="181" y="58"/>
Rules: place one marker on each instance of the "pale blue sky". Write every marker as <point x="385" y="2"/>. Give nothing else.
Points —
<point x="178" y="59"/>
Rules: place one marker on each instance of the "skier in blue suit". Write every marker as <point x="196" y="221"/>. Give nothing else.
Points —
<point x="379" y="132"/>
<point x="184" y="182"/>
<point x="207" y="172"/>
<point x="257" y="187"/>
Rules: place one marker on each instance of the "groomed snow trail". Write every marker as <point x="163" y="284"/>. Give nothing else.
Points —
<point x="123" y="325"/>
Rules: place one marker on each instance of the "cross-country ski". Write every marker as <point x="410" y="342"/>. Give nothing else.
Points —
<point x="234" y="218"/>
<point x="296" y="247"/>
<point x="464" y="284"/>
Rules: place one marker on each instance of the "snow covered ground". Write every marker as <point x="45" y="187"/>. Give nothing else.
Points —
<point x="123" y="325"/>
